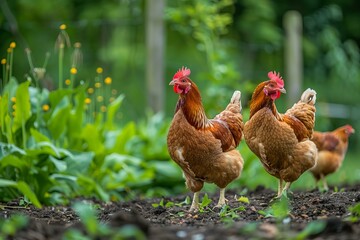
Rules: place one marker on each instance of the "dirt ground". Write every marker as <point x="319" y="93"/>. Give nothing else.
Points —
<point x="328" y="212"/>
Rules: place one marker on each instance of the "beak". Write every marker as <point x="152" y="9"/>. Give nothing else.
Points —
<point x="172" y="82"/>
<point x="282" y="90"/>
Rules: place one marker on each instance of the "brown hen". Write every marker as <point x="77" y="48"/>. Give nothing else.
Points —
<point x="281" y="141"/>
<point x="204" y="148"/>
<point x="332" y="147"/>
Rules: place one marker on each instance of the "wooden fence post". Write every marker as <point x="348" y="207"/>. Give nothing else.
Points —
<point x="293" y="56"/>
<point x="155" y="44"/>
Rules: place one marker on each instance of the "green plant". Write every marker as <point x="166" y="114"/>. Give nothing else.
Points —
<point x="311" y="228"/>
<point x="9" y="227"/>
<point x="279" y="209"/>
<point x="95" y="229"/>
<point x="354" y="213"/>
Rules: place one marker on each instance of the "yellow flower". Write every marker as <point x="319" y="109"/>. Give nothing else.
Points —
<point x="62" y="27"/>
<point x="13" y="99"/>
<point x="9" y="50"/>
<point x="99" y="98"/>
<point x="67" y="82"/>
<point x="3" y="61"/>
<point x="45" y="107"/>
<point x="103" y="108"/>
<point x="12" y="45"/>
<point x="14" y="106"/>
<point x="99" y="70"/>
<point x="111" y="99"/>
<point x="114" y="92"/>
<point x="87" y="100"/>
<point x="98" y="85"/>
<point x="73" y="71"/>
<point x="77" y="45"/>
<point x="90" y="90"/>
<point x="108" y="80"/>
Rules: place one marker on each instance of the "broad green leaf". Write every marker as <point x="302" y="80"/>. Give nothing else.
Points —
<point x="4" y="111"/>
<point x="12" y="160"/>
<point x="8" y="124"/>
<point x="57" y="123"/>
<point x="59" y="164"/>
<point x="93" y="139"/>
<point x="57" y="96"/>
<point x="7" y="183"/>
<point x="7" y="149"/>
<point x="26" y="190"/>
<point x="39" y="137"/>
<point x="90" y="186"/>
<point x="111" y="112"/>
<point x="75" y="120"/>
<point x="10" y="87"/>
<point x="22" y="110"/>
<point x="127" y="133"/>
<point x="79" y="162"/>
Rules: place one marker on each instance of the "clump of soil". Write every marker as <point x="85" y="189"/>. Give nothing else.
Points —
<point x="312" y="215"/>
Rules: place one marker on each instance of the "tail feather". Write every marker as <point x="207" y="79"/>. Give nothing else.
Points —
<point x="236" y="99"/>
<point x="309" y="96"/>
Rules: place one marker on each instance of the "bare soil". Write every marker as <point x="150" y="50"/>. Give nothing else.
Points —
<point x="327" y="211"/>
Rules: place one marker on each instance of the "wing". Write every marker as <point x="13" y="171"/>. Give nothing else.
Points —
<point x="301" y="118"/>
<point x="325" y="141"/>
<point x="228" y="125"/>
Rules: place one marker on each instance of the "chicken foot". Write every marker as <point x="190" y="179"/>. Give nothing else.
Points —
<point x="195" y="203"/>
<point x="282" y="190"/>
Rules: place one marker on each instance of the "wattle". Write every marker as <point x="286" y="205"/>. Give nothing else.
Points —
<point x="177" y="89"/>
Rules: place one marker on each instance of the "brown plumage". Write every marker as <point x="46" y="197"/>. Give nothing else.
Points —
<point x="204" y="148"/>
<point x="281" y="141"/>
<point x="332" y="147"/>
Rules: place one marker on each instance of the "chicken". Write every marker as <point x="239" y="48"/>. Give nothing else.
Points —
<point x="205" y="149"/>
<point x="281" y="141"/>
<point x="332" y="147"/>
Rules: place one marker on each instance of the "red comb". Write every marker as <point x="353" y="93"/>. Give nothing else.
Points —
<point x="276" y="77"/>
<point x="183" y="72"/>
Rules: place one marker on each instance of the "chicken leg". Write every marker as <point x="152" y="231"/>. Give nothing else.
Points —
<point x="222" y="199"/>
<point x="280" y="188"/>
<point x="195" y="203"/>
<point x="326" y="188"/>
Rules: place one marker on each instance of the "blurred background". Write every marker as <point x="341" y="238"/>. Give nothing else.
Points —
<point x="228" y="44"/>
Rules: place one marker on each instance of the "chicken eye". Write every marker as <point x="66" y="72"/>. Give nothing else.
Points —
<point x="183" y="80"/>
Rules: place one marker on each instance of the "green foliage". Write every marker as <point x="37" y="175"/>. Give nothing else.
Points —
<point x="228" y="214"/>
<point x="279" y="209"/>
<point x="95" y="229"/>
<point x="9" y="227"/>
<point x="354" y="213"/>
<point x="311" y="228"/>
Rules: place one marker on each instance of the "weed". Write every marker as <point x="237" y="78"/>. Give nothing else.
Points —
<point x="354" y="213"/>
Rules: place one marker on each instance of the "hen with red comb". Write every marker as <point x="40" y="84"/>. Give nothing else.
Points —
<point x="281" y="141"/>
<point x="181" y="73"/>
<point x="276" y="77"/>
<point x="204" y="148"/>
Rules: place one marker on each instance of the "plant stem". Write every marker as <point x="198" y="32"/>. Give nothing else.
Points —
<point x="61" y="59"/>
<point x="11" y="63"/>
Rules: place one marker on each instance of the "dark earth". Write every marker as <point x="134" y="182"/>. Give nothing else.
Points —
<point x="311" y="215"/>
